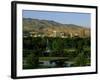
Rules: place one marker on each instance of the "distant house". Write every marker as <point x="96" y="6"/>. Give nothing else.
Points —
<point x="54" y="33"/>
<point x="82" y="33"/>
<point x="76" y="35"/>
<point x="33" y="34"/>
<point x="71" y="34"/>
<point x="26" y="34"/>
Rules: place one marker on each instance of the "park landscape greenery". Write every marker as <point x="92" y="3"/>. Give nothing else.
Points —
<point x="75" y="50"/>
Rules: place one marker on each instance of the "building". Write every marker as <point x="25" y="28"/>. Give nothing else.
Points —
<point x="83" y="33"/>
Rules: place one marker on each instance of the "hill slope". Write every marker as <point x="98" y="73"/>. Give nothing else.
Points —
<point x="47" y="26"/>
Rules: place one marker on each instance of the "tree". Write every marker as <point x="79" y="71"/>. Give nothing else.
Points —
<point x="57" y="44"/>
<point x="32" y="61"/>
<point x="80" y="60"/>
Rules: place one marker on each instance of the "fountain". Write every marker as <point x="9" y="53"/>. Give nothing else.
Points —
<point x="47" y="51"/>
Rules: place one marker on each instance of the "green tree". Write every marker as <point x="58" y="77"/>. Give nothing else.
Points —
<point x="32" y="61"/>
<point x="57" y="44"/>
<point x="80" y="60"/>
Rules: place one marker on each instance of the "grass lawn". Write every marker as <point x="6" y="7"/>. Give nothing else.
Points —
<point x="51" y="58"/>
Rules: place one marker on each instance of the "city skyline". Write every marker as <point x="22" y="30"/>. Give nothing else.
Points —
<point x="81" y="19"/>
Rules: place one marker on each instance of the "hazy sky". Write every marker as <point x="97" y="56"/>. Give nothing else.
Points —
<point x="82" y="19"/>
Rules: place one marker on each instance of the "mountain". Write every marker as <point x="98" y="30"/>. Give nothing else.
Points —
<point x="47" y="26"/>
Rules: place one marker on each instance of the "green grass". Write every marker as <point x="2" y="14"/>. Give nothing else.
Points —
<point x="51" y="58"/>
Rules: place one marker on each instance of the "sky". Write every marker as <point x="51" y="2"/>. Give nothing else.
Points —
<point x="81" y="19"/>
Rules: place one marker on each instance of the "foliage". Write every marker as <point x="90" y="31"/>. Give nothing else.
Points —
<point x="32" y="61"/>
<point x="75" y="49"/>
<point x="81" y="60"/>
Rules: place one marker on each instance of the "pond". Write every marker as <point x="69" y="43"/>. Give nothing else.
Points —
<point x="55" y="63"/>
